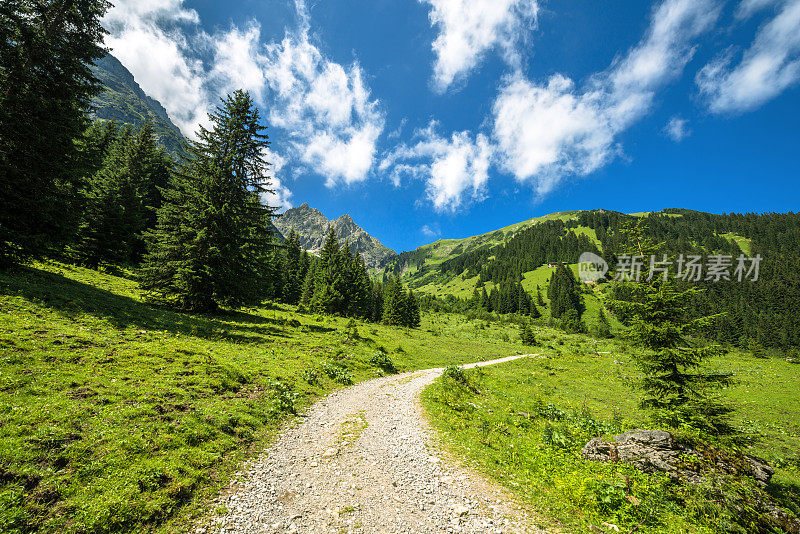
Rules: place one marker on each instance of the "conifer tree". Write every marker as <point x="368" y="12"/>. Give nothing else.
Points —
<point x="211" y="244"/>
<point x="526" y="334"/>
<point x="563" y="293"/>
<point x="46" y="49"/>
<point x="415" y="317"/>
<point x="329" y="294"/>
<point x="393" y="302"/>
<point x="121" y="199"/>
<point x="678" y="391"/>
<point x="308" y="284"/>
<point x="293" y="269"/>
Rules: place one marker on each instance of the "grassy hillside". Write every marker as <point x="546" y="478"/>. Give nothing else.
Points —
<point x="525" y="422"/>
<point x="118" y="416"/>
<point x="444" y="249"/>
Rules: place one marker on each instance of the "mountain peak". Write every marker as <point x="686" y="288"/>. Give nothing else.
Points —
<point x="312" y="226"/>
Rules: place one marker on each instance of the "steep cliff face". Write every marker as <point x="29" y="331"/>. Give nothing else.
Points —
<point x="123" y="101"/>
<point x="312" y="227"/>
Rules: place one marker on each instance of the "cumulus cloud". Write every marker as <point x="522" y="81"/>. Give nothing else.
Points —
<point x="470" y="28"/>
<point x="332" y="121"/>
<point x="281" y="195"/>
<point x="147" y="37"/>
<point x="677" y="129"/>
<point x="455" y="169"/>
<point x="766" y="69"/>
<point x="546" y="131"/>
<point x="238" y="62"/>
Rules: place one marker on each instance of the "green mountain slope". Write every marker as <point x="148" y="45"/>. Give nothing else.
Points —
<point x="419" y="266"/>
<point x="124" y="101"/>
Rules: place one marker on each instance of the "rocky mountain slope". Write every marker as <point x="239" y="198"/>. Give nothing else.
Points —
<point x="124" y="101"/>
<point x="312" y="226"/>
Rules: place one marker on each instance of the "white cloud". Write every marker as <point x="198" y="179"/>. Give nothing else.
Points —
<point x="546" y="131"/>
<point x="326" y="108"/>
<point x="677" y="129"/>
<point x="238" y="63"/>
<point x="766" y="69"/>
<point x="159" y="40"/>
<point x="455" y="169"/>
<point x="431" y="230"/>
<point x="470" y="28"/>
<point x="146" y="36"/>
<point x="281" y="194"/>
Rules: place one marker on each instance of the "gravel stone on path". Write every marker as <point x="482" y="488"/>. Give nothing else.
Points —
<point x="364" y="460"/>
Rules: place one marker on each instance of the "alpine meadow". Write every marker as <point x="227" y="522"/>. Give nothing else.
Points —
<point x="444" y="266"/>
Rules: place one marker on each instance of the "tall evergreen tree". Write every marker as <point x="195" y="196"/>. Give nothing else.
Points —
<point x="46" y="49"/>
<point x="211" y="244"/>
<point x="414" y="315"/>
<point x="121" y="199"/>
<point x="564" y="293"/>
<point x="394" y="301"/>
<point x="293" y="269"/>
<point x="678" y="391"/>
<point x="329" y="294"/>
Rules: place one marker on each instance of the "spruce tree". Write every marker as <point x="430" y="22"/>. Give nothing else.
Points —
<point x="211" y="244"/>
<point x="293" y="269"/>
<point x="329" y="296"/>
<point x="564" y="293"/>
<point x="678" y="391"/>
<point x="121" y="199"/>
<point x="308" y="284"/>
<point x="46" y="49"/>
<point x="526" y="334"/>
<point x="415" y="317"/>
<point x="394" y="302"/>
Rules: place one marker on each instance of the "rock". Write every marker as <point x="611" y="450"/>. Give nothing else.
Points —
<point x="657" y="451"/>
<point x="760" y="470"/>
<point x="460" y="510"/>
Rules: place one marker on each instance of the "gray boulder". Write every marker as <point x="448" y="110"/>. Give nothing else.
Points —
<point x="657" y="451"/>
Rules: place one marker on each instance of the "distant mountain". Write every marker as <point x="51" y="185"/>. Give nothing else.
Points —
<point x="124" y="101"/>
<point x="312" y="226"/>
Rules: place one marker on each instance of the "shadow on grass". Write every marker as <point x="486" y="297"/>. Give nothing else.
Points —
<point x="73" y="298"/>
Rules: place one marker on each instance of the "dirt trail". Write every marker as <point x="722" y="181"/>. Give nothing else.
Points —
<point x="363" y="460"/>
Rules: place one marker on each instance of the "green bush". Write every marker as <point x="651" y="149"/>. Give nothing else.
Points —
<point x="337" y="372"/>
<point x="456" y="374"/>
<point x="382" y="361"/>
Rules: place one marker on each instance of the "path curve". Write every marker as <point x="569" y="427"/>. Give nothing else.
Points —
<point x="364" y="460"/>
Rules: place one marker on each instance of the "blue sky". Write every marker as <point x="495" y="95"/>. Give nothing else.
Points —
<point x="448" y="118"/>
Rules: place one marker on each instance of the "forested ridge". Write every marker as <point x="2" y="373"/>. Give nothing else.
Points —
<point x="751" y="314"/>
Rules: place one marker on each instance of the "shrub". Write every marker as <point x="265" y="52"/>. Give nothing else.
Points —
<point x="382" y="361"/>
<point x="337" y="372"/>
<point x="284" y="397"/>
<point x="456" y="374"/>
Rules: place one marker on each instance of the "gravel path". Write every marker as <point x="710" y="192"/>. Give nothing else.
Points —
<point x="363" y="460"/>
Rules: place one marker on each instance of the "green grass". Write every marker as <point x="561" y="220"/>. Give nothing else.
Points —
<point x="744" y="243"/>
<point x="527" y="422"/>
<point x="117" y="416"/>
